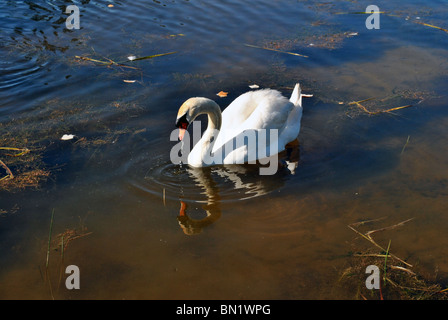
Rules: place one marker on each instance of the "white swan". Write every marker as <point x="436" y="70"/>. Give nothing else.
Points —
<point x="252" y="111"/>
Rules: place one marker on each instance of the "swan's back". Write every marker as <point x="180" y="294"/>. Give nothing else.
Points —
<point x="261" y="109"/>
<point x="258" y="110"/>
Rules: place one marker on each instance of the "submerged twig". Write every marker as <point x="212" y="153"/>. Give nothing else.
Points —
<point x="71" y="238"/>
<point x="402" y="269"/>
<point x="287" y="52"/>
<point x="8" y="171"/>
<point x="49" y="239"/>
<point x="388" y="228"/>
<point x="424" y="289"/>
<point x="110" y="62"/>
<point x="61" y="262"/>
<point x="358" y="103"/>
<point x="23" y="151"/>
<point x="48" y="255"/>
<point x="370" y="239"/>
<point x="432" y="26"/>
<point x="405" y="145"/>
<point x="367" y="221"/>
<point x="106" y="63"/>
<point x="154" y="56"/>
<point x="361" y="12"/>
<point x="385" y="262"/>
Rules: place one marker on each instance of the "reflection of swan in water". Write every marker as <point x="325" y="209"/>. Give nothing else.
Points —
<point x="242" y="179"/>
<point x="202" y="177"/>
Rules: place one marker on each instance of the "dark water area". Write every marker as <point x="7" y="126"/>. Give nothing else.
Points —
<point x="141" y="227"/>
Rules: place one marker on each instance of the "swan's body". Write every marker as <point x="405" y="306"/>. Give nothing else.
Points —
<point x="253" y="111"/>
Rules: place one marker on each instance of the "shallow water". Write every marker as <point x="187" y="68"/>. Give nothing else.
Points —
<point x="141" y="227"/>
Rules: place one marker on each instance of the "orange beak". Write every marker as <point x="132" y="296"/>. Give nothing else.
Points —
<point x="181" y="133"/>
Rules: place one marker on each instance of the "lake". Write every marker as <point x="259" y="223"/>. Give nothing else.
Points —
<point x="372" y="153"/>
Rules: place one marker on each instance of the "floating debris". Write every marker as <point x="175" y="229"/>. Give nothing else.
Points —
<point x="8" y="171"/>
<point x="358" y="103"/>
<point x="270" y="49"/>
<point x="67" y="137"/>
<point x="110" y="62"/>
<point x="222" y="94"/>
<point x="405" y="145"/>
<point x="106" y="63"/>
<point x="430" y="25"/>
<point x="361" y="12"/>
<point x="23" y="151"/>
<point x="155" y="56"/>
<point x="176" y="35"/>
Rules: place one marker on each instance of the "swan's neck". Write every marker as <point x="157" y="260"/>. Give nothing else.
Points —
<point x="213" y="111"/>
<point x="202" y="150"/>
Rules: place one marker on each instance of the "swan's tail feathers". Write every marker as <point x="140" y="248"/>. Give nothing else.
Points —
<point x="296" y="95"/>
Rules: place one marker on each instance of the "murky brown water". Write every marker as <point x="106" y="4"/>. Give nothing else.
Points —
<point x="117" y="198"/>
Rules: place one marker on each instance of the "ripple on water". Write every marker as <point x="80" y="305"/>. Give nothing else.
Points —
<point x="216" y="184"/>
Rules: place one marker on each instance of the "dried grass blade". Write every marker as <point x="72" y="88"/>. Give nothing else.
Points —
<point x="154" y="56"/>
<point x="49" y="239"/>
<point x="270" y="49"/>
<point x="432" y="26"/>
<point x="368" y="238"/>
<point x="23" y="151"/>
<point x="389" y="227"/>
<point x="402" y="269"/>
<point x="385" y="262"/>
<point x="106" y="63"/>
<point x="405" y="145"/>
<point x="8" y="171"/>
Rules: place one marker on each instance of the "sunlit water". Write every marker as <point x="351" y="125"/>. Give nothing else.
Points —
<point x="147" y="228"/>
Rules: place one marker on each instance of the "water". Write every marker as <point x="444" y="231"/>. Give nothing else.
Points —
<point x="141" y="227"/>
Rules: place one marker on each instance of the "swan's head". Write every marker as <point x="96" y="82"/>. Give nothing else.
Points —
<point x="184" y="116"/>
<point x="190" y="109"/>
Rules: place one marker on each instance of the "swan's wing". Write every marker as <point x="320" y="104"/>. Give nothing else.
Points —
<point x="270" y="114"/>
<point x="240" y="109"/>
<point x="280" y="114"/>
<point x="262" y="109"/>
<point x="283" y="117"/>
<point x="277" y="112"/>
<point x="256" y="113"/>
